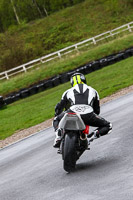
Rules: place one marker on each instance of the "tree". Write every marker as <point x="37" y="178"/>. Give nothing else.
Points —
<point x="45" y="10"/>
<point x="36" y="4"/>
<point x="11" y="11"/>
<point x="15" y="11"/>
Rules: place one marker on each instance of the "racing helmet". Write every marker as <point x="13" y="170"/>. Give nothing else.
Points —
<point x="77" y="78"/>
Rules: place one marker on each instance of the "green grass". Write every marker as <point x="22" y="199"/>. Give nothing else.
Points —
<point x="40" y="107"/>
<point x="69" y="26"/>
<point x="29" y="41"/>
<point x="59" y="66"/>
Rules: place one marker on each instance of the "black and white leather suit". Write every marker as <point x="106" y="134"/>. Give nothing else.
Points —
<point x="82" y="94"/>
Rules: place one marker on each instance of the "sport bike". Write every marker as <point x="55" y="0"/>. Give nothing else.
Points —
<point x="74" y="135"/>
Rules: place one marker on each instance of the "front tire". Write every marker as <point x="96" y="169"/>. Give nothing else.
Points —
<point x="69" y="153"/>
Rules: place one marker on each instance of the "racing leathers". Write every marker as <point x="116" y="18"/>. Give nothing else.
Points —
<point x="82" y="95"/>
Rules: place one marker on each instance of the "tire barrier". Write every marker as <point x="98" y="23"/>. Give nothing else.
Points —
<point x="2" y="102"/>
<point x="24" y="93"/>
<point x="111" y="60"/>
<point x="88" y="68"/>
<point x="40" y="87"/>
<point x="9" y="100"/>
<point x="16" y="97"/>
<point x="69" y="74"/>
<point x="81" y="70"/>
<point x="33" y="90"/>
<point x="48" y="84"/>
<point x="103" y="62"/>
<point x="56" y="81"/>
<point x="65" y="77"/>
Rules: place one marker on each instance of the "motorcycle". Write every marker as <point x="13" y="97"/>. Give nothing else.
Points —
<point x="74" y="135"/>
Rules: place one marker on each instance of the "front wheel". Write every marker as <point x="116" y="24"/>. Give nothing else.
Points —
<point x="69" y="152"/>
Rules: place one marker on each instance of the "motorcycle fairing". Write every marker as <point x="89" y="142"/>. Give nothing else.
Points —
<point x="72" y="121"/>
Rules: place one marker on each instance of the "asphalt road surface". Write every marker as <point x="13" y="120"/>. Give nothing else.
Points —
<point x="32" y="169"/>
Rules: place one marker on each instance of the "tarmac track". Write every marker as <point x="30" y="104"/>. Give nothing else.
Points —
<point x="32" y="170"/>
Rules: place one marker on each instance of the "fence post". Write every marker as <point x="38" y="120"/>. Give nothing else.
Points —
<point x="111" y="34"/>
<point x="94" y="41"/>
<point x="24" y="68"/>
<point x="41" y="60"/>
<point x="7" y="77"/>
<point x="59" y="55"/>
<point x="129" y="28"/>
<point x="76" y="47"/>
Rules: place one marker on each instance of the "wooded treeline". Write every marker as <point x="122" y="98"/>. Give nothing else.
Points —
<point x="13" y="12"/>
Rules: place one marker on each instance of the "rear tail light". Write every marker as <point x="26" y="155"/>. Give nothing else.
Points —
<point x="71" y="114"/>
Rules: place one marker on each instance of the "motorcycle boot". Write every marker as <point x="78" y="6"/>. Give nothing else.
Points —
<point x="57" y="140"/>
<point x="110" y="128"/>
<point x="94" y="135"/>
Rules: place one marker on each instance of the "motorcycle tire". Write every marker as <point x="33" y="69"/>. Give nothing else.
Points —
<point x="69" y="152"/>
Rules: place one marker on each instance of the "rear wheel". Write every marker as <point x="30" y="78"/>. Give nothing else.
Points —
<point x="69" y="152"/>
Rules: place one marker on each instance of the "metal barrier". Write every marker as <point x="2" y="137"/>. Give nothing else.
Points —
<point x="67" y="50"/>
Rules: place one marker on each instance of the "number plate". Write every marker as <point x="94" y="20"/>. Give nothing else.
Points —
<point x="81" y="109"/>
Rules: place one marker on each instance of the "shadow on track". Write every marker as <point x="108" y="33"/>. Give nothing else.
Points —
<point x="100" y="163"/>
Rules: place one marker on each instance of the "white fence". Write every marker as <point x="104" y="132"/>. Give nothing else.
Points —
<point x="60" y="53"/>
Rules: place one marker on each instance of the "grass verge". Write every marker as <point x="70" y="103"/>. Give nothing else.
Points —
<point x="65" y="64"/>
<point x="40" y="107"/>
<point x="26" y="42"/>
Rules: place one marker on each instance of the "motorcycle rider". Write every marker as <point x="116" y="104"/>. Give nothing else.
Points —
<point x="81" y="93"/>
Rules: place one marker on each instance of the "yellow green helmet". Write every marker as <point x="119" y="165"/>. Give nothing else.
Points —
<point x="77" y="78"/>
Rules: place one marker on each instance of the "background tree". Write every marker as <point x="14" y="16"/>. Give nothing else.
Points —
<point x="37" y="6"/>
<point x="7" y="16"/>
<point x="15" y="11"/>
